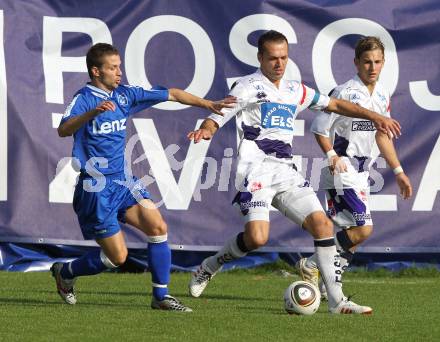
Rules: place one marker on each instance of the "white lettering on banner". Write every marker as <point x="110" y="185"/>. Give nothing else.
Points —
<point x="225" y="170"/>
<point x="430" y="183"/>
<point x="423" y="97"/>
<point x="53" y="63"/>
<point x="204" y="66"/>
<point x="98" y="177"/>
<point x="176" y="196"/>
<point x="247" y="53"/>
<point x="56" y="119"/>
<point x="3" y="120"/>
<point x="326" y="39"/>
<point x="61" y="188"/>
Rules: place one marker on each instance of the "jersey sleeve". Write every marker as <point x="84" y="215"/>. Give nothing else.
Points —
<point x="238" y="91"/>
<point x="141" y="98"/>
<point x="77" y="106"/>
<point x="312" y="99"/>
<point x="323" y="121"/>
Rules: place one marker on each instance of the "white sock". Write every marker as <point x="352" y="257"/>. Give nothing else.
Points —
<point x="344" y="264"/>
<point x="328" y="261"/>
<point x="229" y="252"/>
<point x="311" y="261"/>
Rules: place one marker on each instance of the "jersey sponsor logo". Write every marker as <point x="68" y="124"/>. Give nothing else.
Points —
<point x="253" y="204"/>
<point x="277" y="115"/>
<point x="255" y="186"/>
<point x="362" y="126"/>
<point x="354" y="98"/>
<point x="109" y="126"/>
<point x="293" y="86"/>
<point x="122" y="99"/>
<point x="331" y="211"/>
<point x="361" y="216"/>
<point x="256" y="83"/>
<point x="261" y="96"/>
<point x="382" y="97"/>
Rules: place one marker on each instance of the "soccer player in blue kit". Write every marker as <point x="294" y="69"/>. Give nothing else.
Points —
<point x="104" y="194"/>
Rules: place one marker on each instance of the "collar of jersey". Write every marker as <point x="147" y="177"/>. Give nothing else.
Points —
<point x="265" y="79"/>
<point x="363" y="87"/>
<point x="100" y="91"/>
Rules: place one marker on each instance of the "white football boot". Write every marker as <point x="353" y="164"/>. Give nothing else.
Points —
<point x="64" y="286"/>
<point x="309" y="274"/>
<point x="346" y="306"/>
<point x="199" y="280"/>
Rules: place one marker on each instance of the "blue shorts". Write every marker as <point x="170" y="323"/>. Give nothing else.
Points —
<point x="101" y="202"/>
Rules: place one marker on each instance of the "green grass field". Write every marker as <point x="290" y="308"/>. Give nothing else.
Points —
<point x="237" y="306"/>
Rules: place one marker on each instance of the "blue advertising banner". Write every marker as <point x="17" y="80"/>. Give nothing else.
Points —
<point x="203" y="47"/>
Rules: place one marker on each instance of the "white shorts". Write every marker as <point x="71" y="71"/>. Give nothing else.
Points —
<point x="349" y="207"/>
<point x="345" y="180"/>
<point x="279" y="184"/>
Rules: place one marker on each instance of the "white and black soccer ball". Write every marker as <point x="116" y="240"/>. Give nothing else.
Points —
<point x="302" y="298"/>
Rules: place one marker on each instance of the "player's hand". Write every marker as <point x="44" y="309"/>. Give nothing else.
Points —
<point x="105" y="106"/>
<point x="337" y="165"/>
<point x="217" y="106"/>
<point x="404" y="185"/>
<point x="200" y="134"/>
<point x="388" y="126"/>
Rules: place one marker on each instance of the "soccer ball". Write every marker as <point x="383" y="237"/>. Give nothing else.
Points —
<point x="302" y="298"/>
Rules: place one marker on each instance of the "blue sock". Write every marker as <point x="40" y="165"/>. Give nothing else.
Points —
<point x="88" y="264"/>
<point x="159" y="260"/>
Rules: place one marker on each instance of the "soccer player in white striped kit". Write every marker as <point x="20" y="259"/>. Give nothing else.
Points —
<point x="352" y="146"/>
<point x="267" y="105"/>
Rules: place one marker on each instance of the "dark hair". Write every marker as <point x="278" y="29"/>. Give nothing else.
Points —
<point x="95" y="54"/>
<point x="270" y="36"/>
<point x="368" y="44"/>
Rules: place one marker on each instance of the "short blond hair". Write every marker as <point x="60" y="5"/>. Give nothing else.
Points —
<point x="368" y="44"/>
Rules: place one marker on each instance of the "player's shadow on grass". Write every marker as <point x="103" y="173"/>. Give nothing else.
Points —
<point x="272" y="311"/>
<point x="29" y="302"/>
<point x="227" y="297"/>
<point x="114" y="293"/>
<point x="83" y="303"/>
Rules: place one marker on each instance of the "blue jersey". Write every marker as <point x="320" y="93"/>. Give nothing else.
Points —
<point x="104" y="136"/>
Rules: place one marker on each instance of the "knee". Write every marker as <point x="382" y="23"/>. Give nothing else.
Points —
<point x="254" y="241"/>
<point x="320" y="226"/>
<point x="116" y="259"/>
<point x="361" y="234"/>
<point x="158" y="228"/>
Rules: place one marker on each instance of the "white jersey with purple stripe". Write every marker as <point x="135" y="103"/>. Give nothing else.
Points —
<point x="353" y="139"/>
<point x="265" y="114"/>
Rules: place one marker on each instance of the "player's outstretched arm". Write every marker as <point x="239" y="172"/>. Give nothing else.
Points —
<point x="206" y="131"/>
<point x="388" y="151"/>
<point x="182" y="96"/>
<point x="386" y="125"/>
<point x="70" y="126"/>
